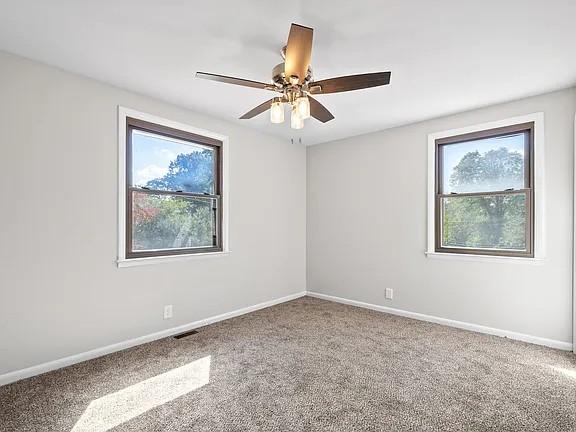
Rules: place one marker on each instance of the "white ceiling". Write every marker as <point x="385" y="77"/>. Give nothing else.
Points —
<point x="445" y="55"/>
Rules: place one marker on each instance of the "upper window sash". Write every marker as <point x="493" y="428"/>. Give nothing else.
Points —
<point x="181" y="139"/>
<point x="526" y="128"/>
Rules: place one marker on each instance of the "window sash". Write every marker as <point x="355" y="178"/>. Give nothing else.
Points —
<point x="155" y="129"/>
<point x="195" y="144"/>
<point x="491" y="133"/>
<point x="528" y="190"/>
<point x="528" y="252"/>
<point x="136" y="124"/>
<point x="217" y="245"/>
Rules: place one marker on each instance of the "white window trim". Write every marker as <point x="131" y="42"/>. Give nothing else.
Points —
<point x="122" y="261"/>
<point x="539" y="190"/>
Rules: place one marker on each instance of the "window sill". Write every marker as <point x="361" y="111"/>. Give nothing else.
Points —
<point x="133" y="262"/>
<point x="485" y="258"/>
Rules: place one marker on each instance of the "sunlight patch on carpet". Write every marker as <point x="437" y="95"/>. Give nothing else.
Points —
<point x="116" y="408"/>
<point x="570" y="373"/>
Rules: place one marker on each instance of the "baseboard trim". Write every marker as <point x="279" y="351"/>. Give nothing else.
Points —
<point x="11" y="377"/>
<point x="448" y="322"/>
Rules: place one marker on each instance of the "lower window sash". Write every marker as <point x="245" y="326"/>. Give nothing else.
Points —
<point x="166" y="224"/>
<point x="495" y="223"/>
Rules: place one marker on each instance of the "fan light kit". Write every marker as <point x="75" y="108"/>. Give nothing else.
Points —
<point x="277" y="111"/>
<point x="293" y="80"/>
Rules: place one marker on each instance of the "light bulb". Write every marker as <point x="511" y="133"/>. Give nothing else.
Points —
<point x="296" y="121"/>
<point x="277" y="112"/>
<point x="303" y="105"/>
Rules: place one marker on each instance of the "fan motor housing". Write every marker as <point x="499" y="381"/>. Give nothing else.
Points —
<point x="278" y="74"/>
<point x="279" y="77"/>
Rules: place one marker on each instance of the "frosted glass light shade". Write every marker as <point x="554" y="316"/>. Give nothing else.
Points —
<point x="277" y="112"/>
<point x="303" y="105"/>
<point x="296" y="122"/>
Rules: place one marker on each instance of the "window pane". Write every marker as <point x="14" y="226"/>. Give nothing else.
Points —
<point x="165" y="163"/>
<point x="171" y="222"/>
<point x="484" y="222"/>
<point x="485" y="165"/>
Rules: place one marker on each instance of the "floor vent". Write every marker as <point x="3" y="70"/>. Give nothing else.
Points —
<point x="186" y="334"/>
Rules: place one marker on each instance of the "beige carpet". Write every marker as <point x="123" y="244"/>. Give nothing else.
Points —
<point x="307" y="365"/>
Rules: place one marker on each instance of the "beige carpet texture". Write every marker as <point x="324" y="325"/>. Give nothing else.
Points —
<point x="306" y="365"/>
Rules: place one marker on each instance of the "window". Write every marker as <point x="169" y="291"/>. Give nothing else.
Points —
<point x="484" y="192"/>
<point x="173" y="191"/>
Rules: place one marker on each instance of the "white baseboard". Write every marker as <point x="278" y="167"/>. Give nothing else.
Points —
<point x="98" y="352"/>
<point x="448" y="322"/>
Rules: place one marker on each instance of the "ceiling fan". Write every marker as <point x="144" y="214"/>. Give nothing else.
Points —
<point x="293" y="80"/>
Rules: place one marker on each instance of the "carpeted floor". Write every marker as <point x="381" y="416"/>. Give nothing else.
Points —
<point x="306" y="365"/>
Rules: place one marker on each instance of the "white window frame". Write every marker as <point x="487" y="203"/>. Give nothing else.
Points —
<point x="122" y="261"/>
<point x="539" y="189"/>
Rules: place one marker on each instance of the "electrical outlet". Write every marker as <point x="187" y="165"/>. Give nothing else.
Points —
<point x="167" y="311"/>
<point x="389" y="293"/>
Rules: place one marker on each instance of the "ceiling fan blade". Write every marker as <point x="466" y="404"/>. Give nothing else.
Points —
<point x="298" y="52"/>
<point x="351" y="82"/>
<point x="319" y="111"/>
<point x="233" y="80"/>
<point x="258" y="110"/>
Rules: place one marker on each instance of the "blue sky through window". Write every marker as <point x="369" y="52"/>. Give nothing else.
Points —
<point x="453" y="153"/>
<point x="152" y="154"/>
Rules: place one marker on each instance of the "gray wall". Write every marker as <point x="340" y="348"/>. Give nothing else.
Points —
<point x="60" y="290"/>
<point x="62" y="294"/>
<point x="366" y="228"/>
